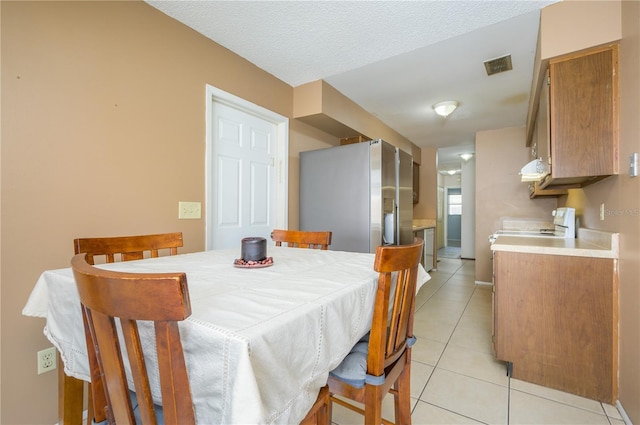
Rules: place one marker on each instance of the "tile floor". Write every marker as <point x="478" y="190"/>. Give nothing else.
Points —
<point x="454" y="377"/>
<point x="449" y="252"/>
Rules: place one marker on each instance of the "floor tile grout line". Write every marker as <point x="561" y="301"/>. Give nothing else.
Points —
<point x="603" y="412"/>
<point x="446" y="344"/>
<point x="453" y="411"/>
<point x="508" y="399"/>
<point x="454" y="328"/>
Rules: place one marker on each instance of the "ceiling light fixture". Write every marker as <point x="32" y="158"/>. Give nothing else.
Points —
<point x="451" y="172"/>
<point x="444" y="109"/>
<point x="466" y="156"/>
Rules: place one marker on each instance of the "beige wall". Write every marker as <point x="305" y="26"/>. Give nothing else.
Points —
<point x="628" y="200"/>
<point x="320" y="104"/>
<point x="307" y="138"/>
<point x="591" y="23"/>
<point x="500" y="154"/>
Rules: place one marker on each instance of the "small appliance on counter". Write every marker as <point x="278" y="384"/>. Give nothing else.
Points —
<point x="564" y="222"/>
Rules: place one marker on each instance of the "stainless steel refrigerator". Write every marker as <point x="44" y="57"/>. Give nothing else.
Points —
<point x="361" y="192"/>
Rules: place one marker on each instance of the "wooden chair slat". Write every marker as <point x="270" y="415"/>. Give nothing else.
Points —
<point x="302" y="239"/>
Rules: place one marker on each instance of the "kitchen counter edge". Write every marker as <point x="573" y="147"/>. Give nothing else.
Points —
<point x="423" y="223"/>
<point x="589" y="243"/>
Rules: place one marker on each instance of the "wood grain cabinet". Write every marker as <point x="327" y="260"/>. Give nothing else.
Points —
<point x="555" y="320"/>
<point x="541" y="145"/>
<point x="582" y="112"/>
<point x="416" y="183"/>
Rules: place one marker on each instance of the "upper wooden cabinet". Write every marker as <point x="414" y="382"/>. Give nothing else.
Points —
<point x="583" y="118"/>
<point x="540" y="147"/>
<point x="416" y="183"/>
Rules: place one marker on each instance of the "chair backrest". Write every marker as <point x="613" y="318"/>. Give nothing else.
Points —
<point x="107" y="295"/>
<point x="302" y="239"/>
<point x="128" y="247"/>
<point x="392" y="324"/>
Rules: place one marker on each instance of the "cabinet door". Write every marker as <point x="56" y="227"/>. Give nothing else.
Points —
<point x="542" y="138"/>
<point x="494" y="311"/>
<point x="555" y="319"/>
<point x="543" y="128"/>
<point x="583" y="128"/>
<point x="416" y="183"/>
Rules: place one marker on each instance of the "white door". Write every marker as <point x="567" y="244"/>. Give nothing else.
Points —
<point x="246" y="194"/>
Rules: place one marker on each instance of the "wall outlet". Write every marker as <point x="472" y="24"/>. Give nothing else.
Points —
<point x="602" y="211"/>
<point x="47" y="360"/>
<point x="189" y="210"/>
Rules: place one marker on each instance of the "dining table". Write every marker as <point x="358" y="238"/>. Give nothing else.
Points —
<point x="260" y="341"/>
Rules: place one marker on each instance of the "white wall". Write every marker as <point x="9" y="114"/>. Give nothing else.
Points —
<point x="468" y="185"/>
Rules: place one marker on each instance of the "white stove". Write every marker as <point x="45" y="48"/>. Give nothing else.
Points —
<point x="564" y="222"/>
<point x="564" y="226"/>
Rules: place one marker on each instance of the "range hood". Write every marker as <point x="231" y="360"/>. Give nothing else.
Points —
<point x="534" y="171"/>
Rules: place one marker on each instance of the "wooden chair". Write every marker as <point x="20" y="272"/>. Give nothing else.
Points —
<point x="319" y="414"/>
<point x="127" y="248"/>
<point x="302" y="239"/>
<point x="385" y="354"/>
<point x="107" y="295"/>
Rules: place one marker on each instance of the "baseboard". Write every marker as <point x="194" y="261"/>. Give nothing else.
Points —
<point x="481" y="282"/>
<point x="624" y="415"/>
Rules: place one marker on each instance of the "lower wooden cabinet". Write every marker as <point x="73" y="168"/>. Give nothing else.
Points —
<point x="556" y="321"/>
<point x="429" y="253"/>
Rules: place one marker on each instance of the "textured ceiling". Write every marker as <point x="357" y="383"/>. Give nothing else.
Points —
<point x="393" y="58"/>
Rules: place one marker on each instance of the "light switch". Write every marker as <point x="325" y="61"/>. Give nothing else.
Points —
<point x="189" y="210"/>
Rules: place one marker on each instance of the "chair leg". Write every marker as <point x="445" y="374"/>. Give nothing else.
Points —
<point x="320" y="412"/>
<point x="90" y="410"/>
<point x="69" y="398"/>
<point x="323" y="416"/>
<point x="373" y="403"/>
<point x="402" y="397"/>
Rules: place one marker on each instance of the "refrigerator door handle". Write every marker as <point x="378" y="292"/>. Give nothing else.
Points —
<point x="388" y="236"/>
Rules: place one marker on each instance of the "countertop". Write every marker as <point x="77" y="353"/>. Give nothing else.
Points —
<point x="589" y="243"/>
<point x="423" y="223"/>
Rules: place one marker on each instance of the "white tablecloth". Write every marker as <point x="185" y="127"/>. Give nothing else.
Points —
<point x="259" y="343"/>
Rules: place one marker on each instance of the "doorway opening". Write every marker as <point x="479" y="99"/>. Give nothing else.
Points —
<point x="454" y="217"/>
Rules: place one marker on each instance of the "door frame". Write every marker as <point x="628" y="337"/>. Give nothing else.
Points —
<point x="214" y="94"/>
<point x="446" y="214"/>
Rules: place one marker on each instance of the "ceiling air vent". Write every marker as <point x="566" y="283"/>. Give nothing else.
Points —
<point x="497" y="65"/>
